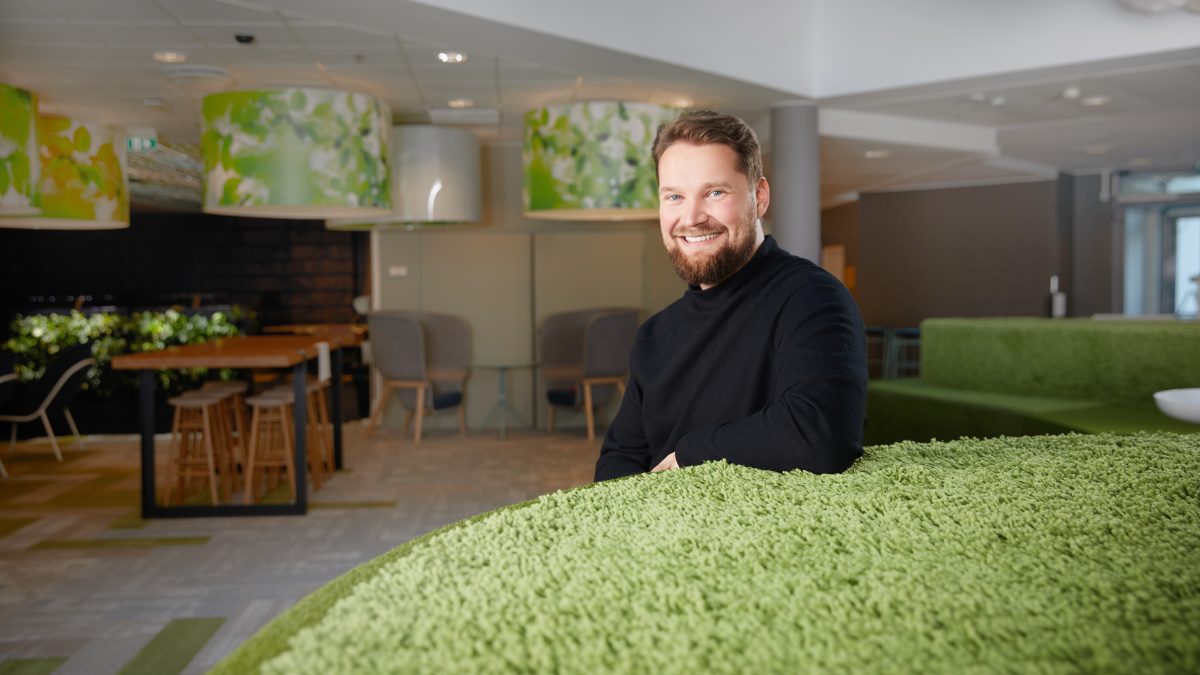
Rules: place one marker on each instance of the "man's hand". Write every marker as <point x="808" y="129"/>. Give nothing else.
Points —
<point x="667" y="464"/>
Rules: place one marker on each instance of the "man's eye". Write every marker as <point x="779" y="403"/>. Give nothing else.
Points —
<point x="671" y="198"/>
<point x="716" y="193"/>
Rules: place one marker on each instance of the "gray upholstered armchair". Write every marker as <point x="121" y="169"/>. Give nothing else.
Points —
<point x="585" y="358"/>
<point x="424" y="355"/>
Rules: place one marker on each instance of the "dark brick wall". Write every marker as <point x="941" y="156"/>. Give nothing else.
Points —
<point x="289" y="271"/>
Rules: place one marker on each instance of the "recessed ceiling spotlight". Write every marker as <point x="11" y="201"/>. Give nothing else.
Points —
<point x="1072" y="92"/>
<point x="1094" y="150"/>
<point x="997" y="101"/>
<point x="460" y="103"/>
<point x="877" y="154"/>
<point x="154" y="102"/>
<point x="170" y="56"/>
<point x="1095" y="100"/>
<point x="978" y="97"/>
<point x="452" y="57"/>
<point x="683" y="103"/>
<point x="1141" y="161"/>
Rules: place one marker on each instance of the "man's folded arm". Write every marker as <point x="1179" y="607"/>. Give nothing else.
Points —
<point x="815" y="422"/>
<point x="625" y="450"/>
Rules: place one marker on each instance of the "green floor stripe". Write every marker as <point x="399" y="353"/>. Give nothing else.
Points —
<point x="31" y="666"/>
<point x="141" y="542"/>
<point x="352" y="505"/>
<point x="174" y="647"/>
<point x="10" y="525"/>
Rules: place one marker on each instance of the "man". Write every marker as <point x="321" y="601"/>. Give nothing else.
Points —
<point x="762" y="362"/>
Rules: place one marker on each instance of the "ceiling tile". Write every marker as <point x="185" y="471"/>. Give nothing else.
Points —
<point x="109" y="10"/>
<point x="237" y="55"/>
<point x="208" y="10"/>
<point x="327" y="35"/>
<point x="363" y="56"/>
<point x="24" y="9"/>
<point x="164" y="34"/>
<point x="57" y="32"/>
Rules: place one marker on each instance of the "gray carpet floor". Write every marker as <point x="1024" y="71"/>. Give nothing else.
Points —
<point x="86" y="586"/>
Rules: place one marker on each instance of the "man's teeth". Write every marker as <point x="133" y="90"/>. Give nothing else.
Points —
<point x="703" y="237"/>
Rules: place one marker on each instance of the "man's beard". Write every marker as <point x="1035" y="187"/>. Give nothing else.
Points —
<point x="712" y="269"/>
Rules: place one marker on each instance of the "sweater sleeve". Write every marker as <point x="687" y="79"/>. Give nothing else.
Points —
<point x="625" y="450"/>
<point x="815" y="421"/>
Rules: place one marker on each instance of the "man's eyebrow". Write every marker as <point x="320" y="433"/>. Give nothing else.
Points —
<point x="706" y="186"/>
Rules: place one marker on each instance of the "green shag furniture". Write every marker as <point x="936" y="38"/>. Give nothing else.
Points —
<point x="1070" y="553"/>
<point x="1010" y="377"/>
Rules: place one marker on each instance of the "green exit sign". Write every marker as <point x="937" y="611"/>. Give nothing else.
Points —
<point x="140" y="143"/>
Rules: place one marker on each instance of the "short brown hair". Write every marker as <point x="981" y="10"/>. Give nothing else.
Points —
<point x="706" y="127"/>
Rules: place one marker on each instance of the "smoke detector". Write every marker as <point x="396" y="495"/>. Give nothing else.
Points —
<point x="197" y="79"/>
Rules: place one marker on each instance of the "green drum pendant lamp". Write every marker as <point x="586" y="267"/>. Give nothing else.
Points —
<point x="82" y="182"/>
<point x="19" y="166"/>
<point x="307" y="154"/>
<point x="592" y="161"/>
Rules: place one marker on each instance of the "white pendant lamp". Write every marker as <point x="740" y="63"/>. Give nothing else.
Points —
<point x="592" y="161"/>
<point x="435" y="178"/>
<point x="19" y="165"/>
<point x="82" y="184"/>
<point x="308" y="154"/>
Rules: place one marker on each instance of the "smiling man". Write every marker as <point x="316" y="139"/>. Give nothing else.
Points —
<point x="762" y="362"/>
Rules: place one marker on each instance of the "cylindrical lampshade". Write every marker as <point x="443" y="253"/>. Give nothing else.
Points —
<point x="435" y="178"/>
<point x="19" y="166"/>
<point x="305" y="154"/>
<point x="591" y="161"/>
<point x="83" y="183"/>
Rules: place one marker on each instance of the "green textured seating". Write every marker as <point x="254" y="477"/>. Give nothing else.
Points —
<point x="1017" y="376"/>
<point x="1049" y="554"/>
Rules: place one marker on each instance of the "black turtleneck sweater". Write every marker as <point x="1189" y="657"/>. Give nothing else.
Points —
<point x="766" y="369"/>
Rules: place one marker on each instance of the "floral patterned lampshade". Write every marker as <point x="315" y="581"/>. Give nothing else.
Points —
<point x="82" y="183"/>
<point x="591" y="161"/>
<point x="18" y="151"/>
<point x="295" y="153"/>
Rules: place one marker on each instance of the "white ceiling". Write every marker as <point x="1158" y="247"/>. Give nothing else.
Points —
<point x="93" y="59"/>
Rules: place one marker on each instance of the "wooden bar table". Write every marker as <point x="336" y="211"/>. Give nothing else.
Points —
<point x="245" y="352"/>
<point x="345" y="334"/>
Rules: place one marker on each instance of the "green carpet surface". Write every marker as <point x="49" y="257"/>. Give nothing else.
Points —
<point x="1064" y="553"/>
<point x="174" y="647"/>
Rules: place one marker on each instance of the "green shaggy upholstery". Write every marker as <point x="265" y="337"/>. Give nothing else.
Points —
<point x="1048" y="554"/>
<point x="993" y="377"/>
<point x="1085" y="359"/>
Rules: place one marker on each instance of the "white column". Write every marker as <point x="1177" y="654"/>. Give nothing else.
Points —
<point x="795" y="210"/>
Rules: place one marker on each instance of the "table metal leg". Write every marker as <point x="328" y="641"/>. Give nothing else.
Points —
<point x="146" y="409"/>
<point x="502" y="407"/>
<point x="336" y="404"/>
<point x="300" y="415"/>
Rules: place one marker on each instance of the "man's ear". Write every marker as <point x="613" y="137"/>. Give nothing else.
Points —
<point x="762" y="196"/>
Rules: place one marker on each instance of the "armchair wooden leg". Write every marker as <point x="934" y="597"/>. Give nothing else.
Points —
<point x="53" y="440"/>
<point x="12" y="439"/>
<point x="550" y="418"/>
<point x="408" y="420"/>
<point x="462" y="418"/>
<point x="420" y="410"/>
<point x="587" y="406"/>
<point x="380" y="406"/>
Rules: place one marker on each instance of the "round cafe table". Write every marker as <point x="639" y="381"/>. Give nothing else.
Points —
<point x="502" y="407"/>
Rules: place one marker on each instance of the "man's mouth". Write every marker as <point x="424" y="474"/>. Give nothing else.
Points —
<point x="699" y="238"/>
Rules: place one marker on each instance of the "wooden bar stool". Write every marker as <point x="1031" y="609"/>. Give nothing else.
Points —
<point x="200" y="444"/>
<point x="320" y="430"/>
<point x="270" y="448"/>
<point x="234" y="401"/>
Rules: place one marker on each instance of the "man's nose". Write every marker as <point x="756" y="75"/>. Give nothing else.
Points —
<point x="693" y="214"/>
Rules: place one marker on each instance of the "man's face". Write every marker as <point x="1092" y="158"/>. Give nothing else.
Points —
<point x="708" y="212"/>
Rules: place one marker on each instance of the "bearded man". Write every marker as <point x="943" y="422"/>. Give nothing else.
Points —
<point x="762" y="362"/>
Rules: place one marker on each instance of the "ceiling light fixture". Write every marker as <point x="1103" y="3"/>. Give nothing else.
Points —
<point x="877" y="154"/>
<point x="453" y="57"/>
<point x="1141" y="161"/>
<point x="285" y="153"/>
<point x="978" y="97"/>
<point x="460" y="103"/>
<point x="154" y="102"/>
<point x="1094" y="101"/>
<point x="997" y="101"/>
<point x="591" y="161"/>
<point x="683" y="103"/>
<point x="170" y="56"/>
<point x="1072" y="92"/>
<point x="1095" y="150"/>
